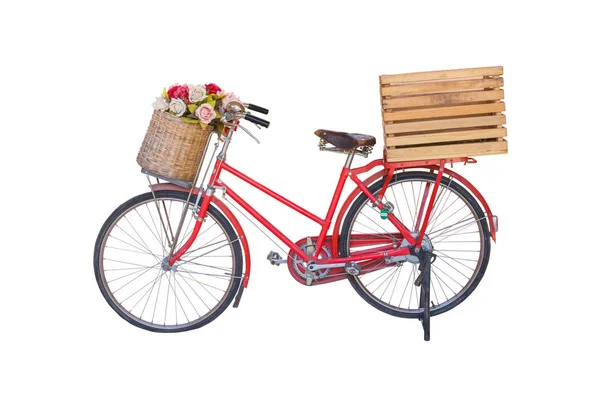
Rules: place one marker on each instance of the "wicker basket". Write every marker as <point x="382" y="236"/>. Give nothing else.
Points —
<point x="173" y="148"/>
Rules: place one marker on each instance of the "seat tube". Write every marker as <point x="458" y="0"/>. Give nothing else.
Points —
<point x="334" y="202"/>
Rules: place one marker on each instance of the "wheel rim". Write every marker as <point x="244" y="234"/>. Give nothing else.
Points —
<point x="456" y="233"/>
<point x="135" y="277"/>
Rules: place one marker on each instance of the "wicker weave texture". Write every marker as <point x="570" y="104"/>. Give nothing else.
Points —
<point x="173" y="148"/>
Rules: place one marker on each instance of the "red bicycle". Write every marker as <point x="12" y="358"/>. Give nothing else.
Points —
<point x="413" y="239"/>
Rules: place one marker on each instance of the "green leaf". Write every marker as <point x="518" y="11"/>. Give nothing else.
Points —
<point x="190" y="120"/>
<point x="192" y="107"/>
<point x="212" y="103"/>
<point x="164" y="94"/>
<point x="202" y="124"/>
<point x="220" y="127"/>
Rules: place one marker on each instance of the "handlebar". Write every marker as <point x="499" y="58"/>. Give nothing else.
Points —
<point x="256" y="120"/>
<point x="259" y="109"/>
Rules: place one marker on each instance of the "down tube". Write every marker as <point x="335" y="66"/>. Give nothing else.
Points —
<point x="264" y="222"/>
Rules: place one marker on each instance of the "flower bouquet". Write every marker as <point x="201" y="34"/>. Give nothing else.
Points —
<point x="195" y="104"/>
<point x="183" y="118"/>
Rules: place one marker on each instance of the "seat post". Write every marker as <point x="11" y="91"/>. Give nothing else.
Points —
<point x="349" y="159"/>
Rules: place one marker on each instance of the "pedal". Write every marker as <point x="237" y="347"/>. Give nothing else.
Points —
<point x="275" y="259"/>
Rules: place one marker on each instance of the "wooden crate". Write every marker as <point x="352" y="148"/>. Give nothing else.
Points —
<point x="443" y="114"/>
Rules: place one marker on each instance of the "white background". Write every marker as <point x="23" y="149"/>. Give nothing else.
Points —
<point x="77" y="82"/>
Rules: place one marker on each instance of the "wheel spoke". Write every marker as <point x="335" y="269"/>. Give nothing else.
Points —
<point x="209" y="266"/>
<point x="149" y="292"/>
<point x="380" y="227"/>
<point x="135" y="240"/>
<point x="397" y="204"/>
<point x="196" y="293"/>
<point x="210" y="251"/>
<point x="138" y="235"/>
<point x="187" y="297"/>
<point x="224" y="276"/>
<point x="145" y="251"/>
<point x="134" y="279"/>
<point x="390" y="281"/>
<point x="396" y="283"/>
<point x="132" y="273"/>
<point x="442" y="258"/>
<point x="157" y="295"/>
<point x="167" y="299"/>
<point x="408" y="205"/>
<point x="151" y="231"/>
<point x="404" y="292"/>
<point x="443" y="281"/>
<point x="412" y="286"/>
<point x="444" y="192"/>
<point x="193" y="278"/>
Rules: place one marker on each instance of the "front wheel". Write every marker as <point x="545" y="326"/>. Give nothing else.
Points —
<point x="143" y="289"/>
<point x="457" y="231"/>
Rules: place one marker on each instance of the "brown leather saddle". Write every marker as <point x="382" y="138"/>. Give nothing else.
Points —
<point x="345" y="141"/>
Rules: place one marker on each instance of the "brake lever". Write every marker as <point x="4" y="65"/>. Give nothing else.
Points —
<point x="249" y="134"/>
<point x="230" y="125"/>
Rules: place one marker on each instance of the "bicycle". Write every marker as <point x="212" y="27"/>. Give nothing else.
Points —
<point x="413" y="238"/>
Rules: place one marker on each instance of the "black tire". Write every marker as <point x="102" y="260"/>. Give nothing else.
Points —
<point x="479" y="271"/>
<point x="228" y="293"/>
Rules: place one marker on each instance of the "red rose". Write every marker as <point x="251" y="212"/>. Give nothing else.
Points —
<point x="211" y="88"/>
<point x="179" y="92"/>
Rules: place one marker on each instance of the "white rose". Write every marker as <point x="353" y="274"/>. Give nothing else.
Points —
<point x="197" y="93"/>
<point x="161" y="104"/>
<point x="177" y="107"/>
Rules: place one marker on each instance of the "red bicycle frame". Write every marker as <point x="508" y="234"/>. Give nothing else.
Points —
<point x="325" y="223"/>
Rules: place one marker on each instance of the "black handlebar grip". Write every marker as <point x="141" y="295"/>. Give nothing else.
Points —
<point x="257" y="120"/>
<point x="259" y="109"/>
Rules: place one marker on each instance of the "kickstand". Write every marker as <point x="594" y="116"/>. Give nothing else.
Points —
<point x="424" y="280"/>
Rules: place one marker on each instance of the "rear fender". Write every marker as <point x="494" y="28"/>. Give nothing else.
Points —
<point x="228" y="214"/>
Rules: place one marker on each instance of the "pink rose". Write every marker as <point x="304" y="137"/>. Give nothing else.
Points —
<point x="205" y="113"/>
<point x="229" y="97"/>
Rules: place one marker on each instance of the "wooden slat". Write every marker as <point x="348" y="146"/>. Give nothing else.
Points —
<point x="440" y="137"/>
<point x="436" y="125"/>
<point x="440" y="87"/>
<point x="443" y="99"/>
<point x="439" y="75"/>
<point x="447" y="151"/>
<point x="428" y="113"/>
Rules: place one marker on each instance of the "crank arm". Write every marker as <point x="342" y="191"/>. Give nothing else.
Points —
<point x="316" y="267"/>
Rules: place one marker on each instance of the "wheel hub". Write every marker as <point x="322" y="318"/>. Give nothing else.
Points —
<point x="165" y="265"/>
<point x="425" y="245"/>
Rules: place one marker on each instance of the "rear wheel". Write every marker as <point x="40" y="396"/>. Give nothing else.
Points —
<point x="130" y="267"/>
<point x="457" y="231"/>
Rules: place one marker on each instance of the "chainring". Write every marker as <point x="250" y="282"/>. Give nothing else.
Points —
<point x="298" y="264"/>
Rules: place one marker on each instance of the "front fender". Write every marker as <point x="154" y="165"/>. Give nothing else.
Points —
<point x="230" y="216"/>
<point x="356" y="192"/>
